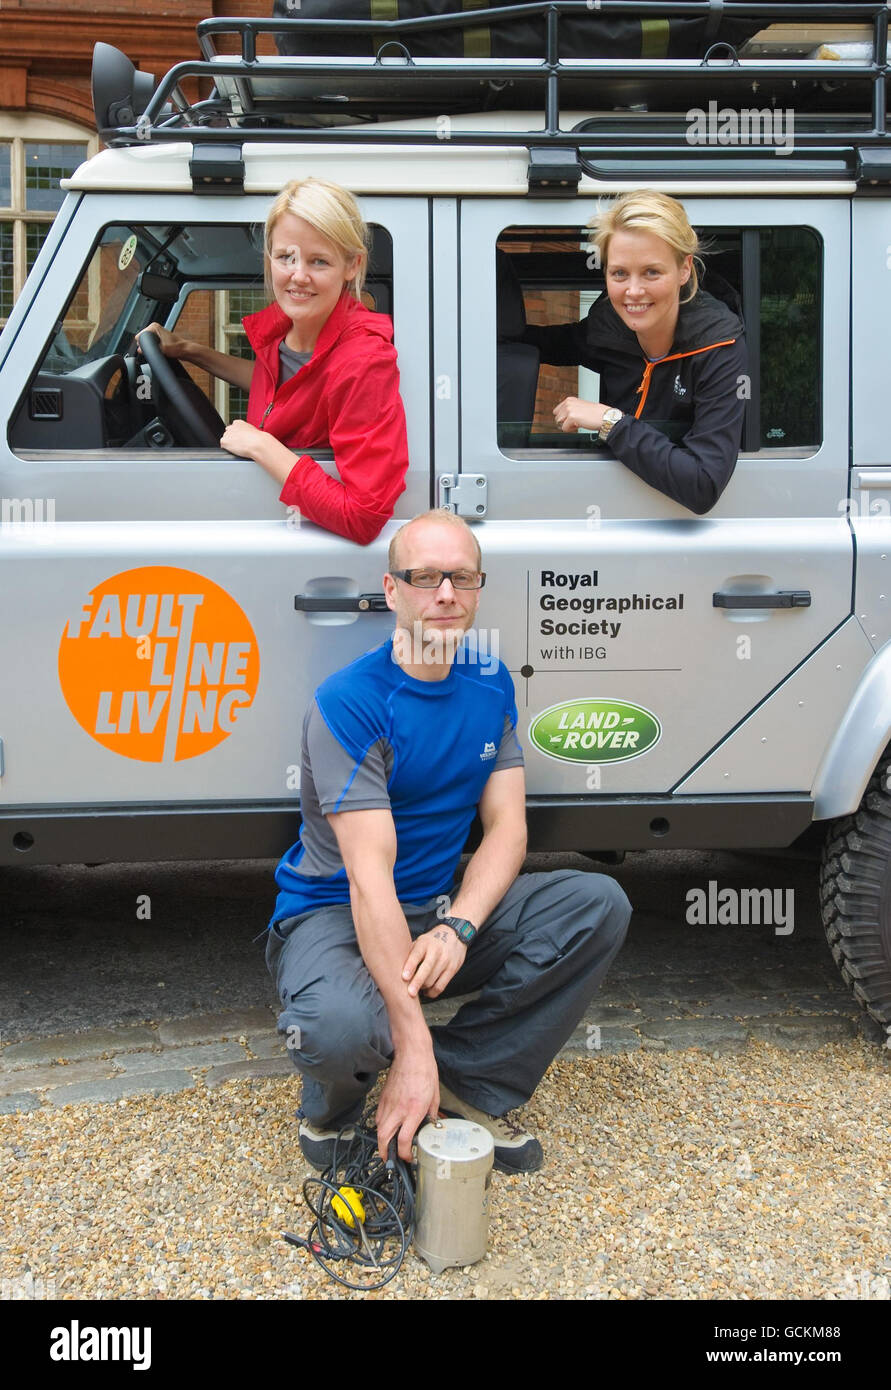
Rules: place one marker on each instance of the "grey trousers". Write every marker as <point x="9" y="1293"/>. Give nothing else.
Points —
<point x="537" y="961"/>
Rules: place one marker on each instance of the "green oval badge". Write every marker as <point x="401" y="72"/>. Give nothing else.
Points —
<point x="595" y="731"/>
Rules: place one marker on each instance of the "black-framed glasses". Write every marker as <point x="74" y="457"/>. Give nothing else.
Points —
<point x="431" y="579"/>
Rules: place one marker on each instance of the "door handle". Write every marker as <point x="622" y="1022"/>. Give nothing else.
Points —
<point x="358" y="603"/>
<point x="785" y="598"/>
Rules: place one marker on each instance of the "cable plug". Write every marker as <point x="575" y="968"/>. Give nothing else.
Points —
<point x="312" y="1246"/>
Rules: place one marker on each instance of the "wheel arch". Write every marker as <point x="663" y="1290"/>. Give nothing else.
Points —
<point x="859" y="743"/>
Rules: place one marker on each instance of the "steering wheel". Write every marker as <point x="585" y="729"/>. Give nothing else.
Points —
<point x="182" y="405"/>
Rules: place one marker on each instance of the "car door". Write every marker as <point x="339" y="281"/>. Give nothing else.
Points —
<point x="615" y="608"/>
<point x="153" y="654"/>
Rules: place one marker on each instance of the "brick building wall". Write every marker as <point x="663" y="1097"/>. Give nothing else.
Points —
<point x="46" y="46"/>
<point x="46" y="54"/>
<point x="554" y="383"/>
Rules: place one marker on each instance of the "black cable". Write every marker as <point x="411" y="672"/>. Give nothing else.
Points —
<point x="371" y="1230"/>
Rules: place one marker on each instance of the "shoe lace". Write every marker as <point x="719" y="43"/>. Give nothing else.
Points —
<point x="511" y="1122"/>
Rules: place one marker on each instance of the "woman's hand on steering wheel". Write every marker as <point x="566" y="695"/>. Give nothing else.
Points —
<point x="191" y="419"/>
<point x="171" y="344"/>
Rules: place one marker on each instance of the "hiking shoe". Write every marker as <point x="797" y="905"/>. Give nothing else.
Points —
<point x="317" y="1145"/>
<point x="516" y="1151"/>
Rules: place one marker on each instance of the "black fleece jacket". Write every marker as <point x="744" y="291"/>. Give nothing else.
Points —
<point x="699" y="387"/>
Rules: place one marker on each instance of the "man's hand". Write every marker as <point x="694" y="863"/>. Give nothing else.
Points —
<point x="572" y="414"/>
<point x="432" y="961"/>
<point x="410" y="1096"/>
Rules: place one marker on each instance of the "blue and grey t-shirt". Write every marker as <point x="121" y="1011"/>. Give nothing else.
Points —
<point x="375" y="737"/>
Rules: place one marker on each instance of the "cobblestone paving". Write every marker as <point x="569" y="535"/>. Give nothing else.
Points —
<point x="675" y="986"/>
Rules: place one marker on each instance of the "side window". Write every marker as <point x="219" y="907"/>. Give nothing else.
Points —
<point x="91" y="390"/>
<point x="216" y="319"/>
<point x="214" y="316"/>
<point x="80" y="393"/>
<point x="790" y="375"/>
<point x="545" y="276"/>
<point x="551" y="276"/>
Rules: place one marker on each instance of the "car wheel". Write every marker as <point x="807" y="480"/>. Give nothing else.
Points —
<point x="855" y="895"/>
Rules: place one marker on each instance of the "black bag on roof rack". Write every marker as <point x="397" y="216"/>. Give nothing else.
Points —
<point x="592" y="35"/>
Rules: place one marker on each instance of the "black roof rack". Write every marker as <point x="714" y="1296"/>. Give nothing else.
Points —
<point x="650" y="117"/>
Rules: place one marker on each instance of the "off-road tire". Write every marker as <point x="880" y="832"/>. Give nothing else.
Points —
<point x="855" y="895"/>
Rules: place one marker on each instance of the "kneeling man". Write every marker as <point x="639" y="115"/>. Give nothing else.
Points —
<point x="400" y="750"/>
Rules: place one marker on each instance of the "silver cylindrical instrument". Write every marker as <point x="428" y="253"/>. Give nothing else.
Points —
<point x="454" y="1173"/>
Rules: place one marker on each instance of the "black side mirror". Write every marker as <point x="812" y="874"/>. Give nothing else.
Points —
<point x="120" y="93"/>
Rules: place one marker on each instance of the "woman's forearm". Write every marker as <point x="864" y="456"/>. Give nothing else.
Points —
<point x="236" y="370"/>
<point x="273" y="456"/>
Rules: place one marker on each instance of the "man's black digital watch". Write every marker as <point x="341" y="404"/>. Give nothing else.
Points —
<point x="464" y="930"/>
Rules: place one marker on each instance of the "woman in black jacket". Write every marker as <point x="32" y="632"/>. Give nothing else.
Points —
<point x="666" y="351"/>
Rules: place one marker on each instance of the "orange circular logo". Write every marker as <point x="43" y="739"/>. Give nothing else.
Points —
<point x="158" y="664"/>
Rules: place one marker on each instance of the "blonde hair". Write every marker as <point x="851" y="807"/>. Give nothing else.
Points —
<point x="333" y="212"/>
<point x="645" y="210"/>
<point x="437" y="514"/>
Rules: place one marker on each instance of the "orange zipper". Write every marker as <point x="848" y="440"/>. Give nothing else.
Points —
<point x="648" y="369"/>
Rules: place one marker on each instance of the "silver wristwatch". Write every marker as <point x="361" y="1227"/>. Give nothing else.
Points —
<point x="610" y="416"/>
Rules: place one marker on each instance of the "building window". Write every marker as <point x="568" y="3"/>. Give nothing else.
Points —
<point x="233" y="306"/>
<point x="30" y="197"/>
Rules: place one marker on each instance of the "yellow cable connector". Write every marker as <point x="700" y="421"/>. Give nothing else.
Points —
<point x="348" y="1205"/>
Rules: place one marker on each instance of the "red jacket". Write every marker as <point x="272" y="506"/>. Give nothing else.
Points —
<point x="347" y="398"/>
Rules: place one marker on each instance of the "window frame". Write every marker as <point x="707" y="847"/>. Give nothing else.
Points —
<point x="153" y="484"/>
<point x="750" y="291"/>
<point x="17" y="131"/>
<point x="539" y="486"/>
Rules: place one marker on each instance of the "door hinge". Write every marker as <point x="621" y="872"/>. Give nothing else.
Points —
<point x="465" y="494"/>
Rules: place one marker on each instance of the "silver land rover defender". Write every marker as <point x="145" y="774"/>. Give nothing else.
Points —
<point x="718" y="680"/>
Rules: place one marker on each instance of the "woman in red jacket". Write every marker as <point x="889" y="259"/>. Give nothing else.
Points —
<point x="325" y="373"/>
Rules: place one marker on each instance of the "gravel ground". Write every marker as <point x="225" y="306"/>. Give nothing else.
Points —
<point x="759" y="1175"/>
